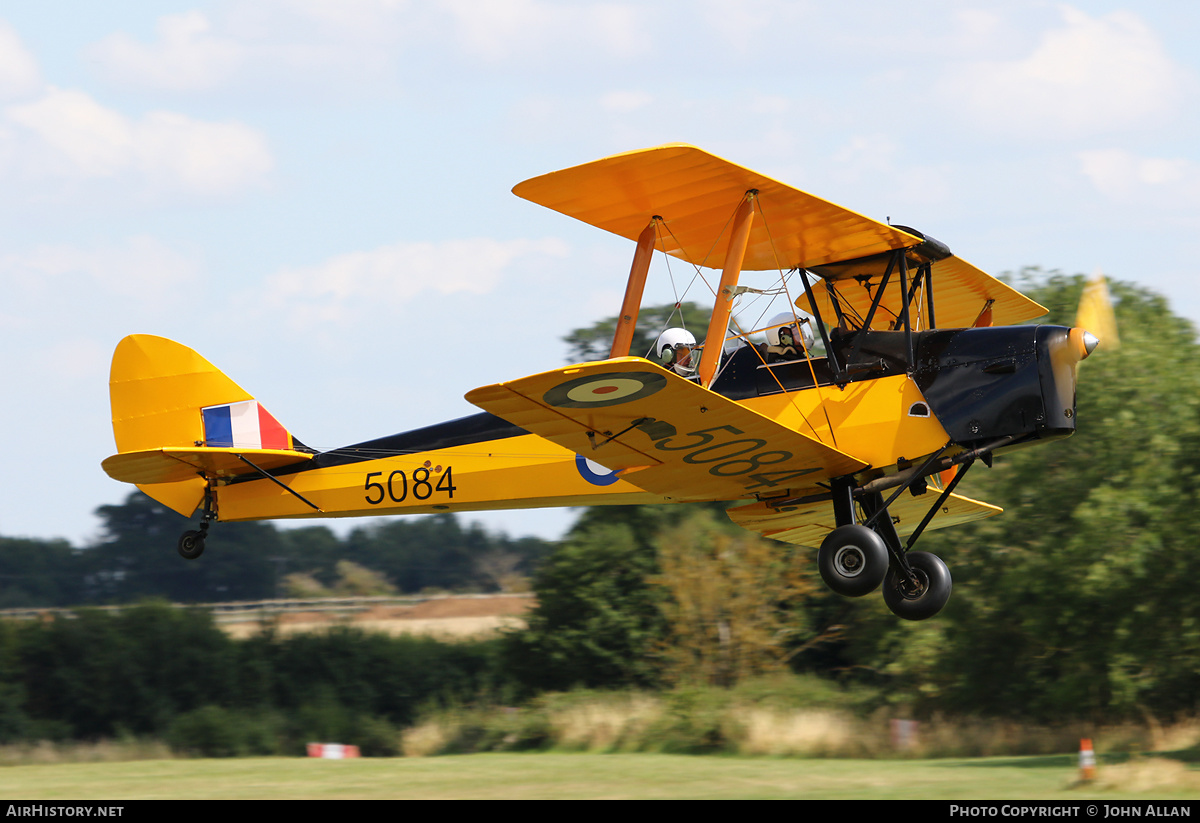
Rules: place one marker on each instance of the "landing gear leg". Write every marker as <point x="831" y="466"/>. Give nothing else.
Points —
<point x="191" y="542"/>
<point x="917" y="585"/>
<point x="853" y="559"/>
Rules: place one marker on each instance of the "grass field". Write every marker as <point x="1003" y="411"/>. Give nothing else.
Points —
<point x="554" y="776"/>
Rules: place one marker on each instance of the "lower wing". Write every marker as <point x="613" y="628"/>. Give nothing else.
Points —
<point x="663" y="433"/>
<point x="807" y="524"/>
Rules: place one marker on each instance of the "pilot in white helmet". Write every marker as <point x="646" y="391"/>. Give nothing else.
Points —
<point x="786" y="338"/>
<point x="674" y="351"/>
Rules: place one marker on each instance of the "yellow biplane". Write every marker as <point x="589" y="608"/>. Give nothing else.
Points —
<point x="846" y="429"/>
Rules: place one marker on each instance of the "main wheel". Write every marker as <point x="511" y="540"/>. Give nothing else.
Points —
<point x="923" y="598"/>
<point x="191" y="545"/>
<point x="853" y="560"/>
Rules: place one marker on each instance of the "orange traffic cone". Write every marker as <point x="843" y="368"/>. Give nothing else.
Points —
<point x="1087" y="760"/>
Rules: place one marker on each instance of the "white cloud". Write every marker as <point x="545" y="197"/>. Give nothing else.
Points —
<point x="359" y="20"/>
<point x="203" y="157"/>
<point x="1121" y="175"/>
<point x="394" y="275"/>
<point x="141" y="268"/>
<point x="275" y="44"/>
<point x="186" y="57"/>
<point x="19" y="75"/>
<point x="1092" y="74"/>
<point x="746" y="24"/>
<point x="71" y="359"/>
<point x="270" y="46"/>
<point x="501" y="30"/>
<point x="68" y="134"/>
<point x="352" y="45"/>
<point x="94" y="140"/>
<point x="625" y="101"/>
<point x="865" y="155"/>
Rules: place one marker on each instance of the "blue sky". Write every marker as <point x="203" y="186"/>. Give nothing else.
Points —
<point x="315" y="194"/>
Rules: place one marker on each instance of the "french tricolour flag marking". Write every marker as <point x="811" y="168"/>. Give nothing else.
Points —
<point x="245" y="425"/>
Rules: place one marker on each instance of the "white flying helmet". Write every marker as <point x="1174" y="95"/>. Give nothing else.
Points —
<point x="784" y="326"/>
<point x="674" y="350"/>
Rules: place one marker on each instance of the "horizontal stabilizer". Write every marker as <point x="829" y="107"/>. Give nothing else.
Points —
<point x="808" y="524"/>
<point x="174" y="464"/>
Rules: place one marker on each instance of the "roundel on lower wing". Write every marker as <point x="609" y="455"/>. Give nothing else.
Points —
<point x="604" y="390"/>
<point x="594" y="473"/>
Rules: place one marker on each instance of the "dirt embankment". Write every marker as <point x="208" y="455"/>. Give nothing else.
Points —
<point x="447" y="617"/>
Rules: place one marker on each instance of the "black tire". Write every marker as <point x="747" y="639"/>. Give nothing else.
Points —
<point x="925" y="599"/>
<point x="853" y="560"/>
<point x="191" y="545"/>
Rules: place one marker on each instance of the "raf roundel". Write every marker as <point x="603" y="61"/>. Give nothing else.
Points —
<point x="606" y="390"/>
<point x="594" y="473"/>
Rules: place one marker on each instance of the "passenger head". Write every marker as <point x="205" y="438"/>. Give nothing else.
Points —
<point x="674" y="350"/>
<point x="785" y="330"/>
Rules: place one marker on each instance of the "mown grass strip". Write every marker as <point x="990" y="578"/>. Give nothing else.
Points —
<point x="554" y="776"/>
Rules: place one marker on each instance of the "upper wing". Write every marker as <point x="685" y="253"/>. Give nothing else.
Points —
<point x="669" y="435"/>
<point x="808" y="524"/>
<point x="695" y="193"/>
<point x="961" y="292"/>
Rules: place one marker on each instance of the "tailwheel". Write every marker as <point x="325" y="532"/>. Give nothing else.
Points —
<point x="191" y="545"/>
<point x="922" y="594"/>
<point x="853" y="560"/>
<point x="191" y="542"/>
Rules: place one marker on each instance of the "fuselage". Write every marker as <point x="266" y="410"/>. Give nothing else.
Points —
<point x="969" y="386"/>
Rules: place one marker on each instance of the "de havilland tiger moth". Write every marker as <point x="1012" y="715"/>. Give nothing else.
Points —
<point x="894" y="367"/>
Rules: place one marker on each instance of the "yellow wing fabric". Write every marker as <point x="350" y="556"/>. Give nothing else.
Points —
<point x="695" y="193"/>
<point x="961" y="292"/>
<point x="809" y="523"/>
<point x="669" y="435"/>
<point x="173" y="465"/>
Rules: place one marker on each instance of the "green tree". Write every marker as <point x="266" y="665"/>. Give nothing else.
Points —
<point x="427" y="553"/>
<point x="1077" y="601"/>
<point x="97" y="674"/>
<point x="39" y="573"/>
<point x="136" y="557"/>
<point x="597" y="621"/>
<point x="732" y="598"/>
<point x="595" y="341"/>
<point x="437" y="552"/>
<point x="309" y="550"/>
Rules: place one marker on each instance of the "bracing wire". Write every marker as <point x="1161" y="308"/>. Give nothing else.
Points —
<point x="807" y="354"/>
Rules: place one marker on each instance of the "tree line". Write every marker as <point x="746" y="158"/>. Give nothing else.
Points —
<point x="154" y="670"/>
<point x="134" y="559"/>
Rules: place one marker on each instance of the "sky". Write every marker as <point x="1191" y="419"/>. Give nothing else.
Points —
<point x="315" y="194"/>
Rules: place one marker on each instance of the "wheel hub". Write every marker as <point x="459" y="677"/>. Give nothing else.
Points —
<point x="913" y="585"/>
<point x="850" y="561"/>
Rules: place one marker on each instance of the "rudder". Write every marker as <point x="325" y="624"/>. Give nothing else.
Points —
<point x="167" y="397"/>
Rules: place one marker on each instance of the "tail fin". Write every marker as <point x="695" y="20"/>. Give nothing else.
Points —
<point x="178" y="420"/>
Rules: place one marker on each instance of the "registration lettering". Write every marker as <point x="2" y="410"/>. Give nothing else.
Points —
<point x="727" y="455"/>
<point x="399" y="485"/>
